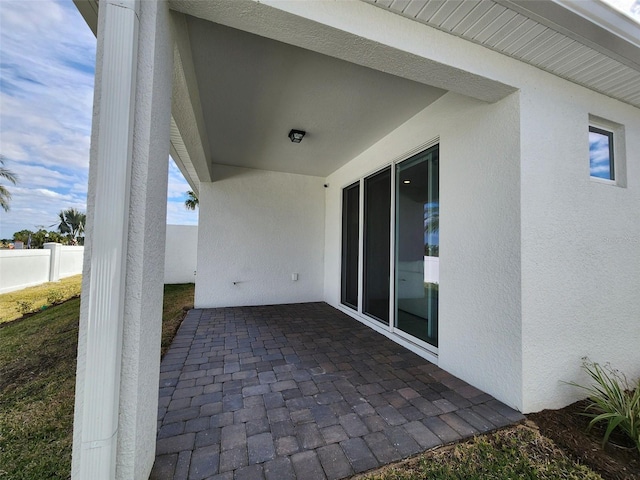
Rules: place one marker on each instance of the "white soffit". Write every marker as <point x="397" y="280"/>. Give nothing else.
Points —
<point x="181" y="158"/>
<point x="587" y="43"/>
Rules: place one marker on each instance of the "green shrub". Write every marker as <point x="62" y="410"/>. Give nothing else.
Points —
<point x="25" y="306"/>
<point x="613" y="401"/>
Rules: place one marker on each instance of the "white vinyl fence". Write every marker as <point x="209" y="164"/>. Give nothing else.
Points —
<point x="181" y="254"/>
<point x="25" y="268"/>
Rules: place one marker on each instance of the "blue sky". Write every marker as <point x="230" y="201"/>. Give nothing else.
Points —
<point x="47" y="58"/>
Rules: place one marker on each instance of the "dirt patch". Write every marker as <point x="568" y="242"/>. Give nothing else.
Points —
<point x="568" y="429"/>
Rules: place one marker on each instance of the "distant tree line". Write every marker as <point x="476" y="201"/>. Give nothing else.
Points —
<point x="69" y="230"/>
<point x="38" y="238"/>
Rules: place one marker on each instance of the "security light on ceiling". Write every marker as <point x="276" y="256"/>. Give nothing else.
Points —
<point x="296" y="135"/>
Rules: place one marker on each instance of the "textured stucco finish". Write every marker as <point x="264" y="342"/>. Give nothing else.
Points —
<point x="256" y="229"/>
<point x="480" y="314"/>
<point x="480" y="337"/>
<point x="146" y="245"/>
<point x="580" y="246"/>
<point x="140" y="349"/>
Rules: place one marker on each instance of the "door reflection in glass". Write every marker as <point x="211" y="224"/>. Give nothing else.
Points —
<point x="417" y="246"/>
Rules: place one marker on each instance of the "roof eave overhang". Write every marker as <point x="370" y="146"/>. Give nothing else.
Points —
<point x="592" y="23"/>
<point x="179" y="150"/>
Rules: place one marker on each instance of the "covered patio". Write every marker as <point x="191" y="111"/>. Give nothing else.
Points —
<point x="406" y="118"/>
<point x="303" y="391"/>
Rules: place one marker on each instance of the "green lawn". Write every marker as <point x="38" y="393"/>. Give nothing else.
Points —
<point x="33" y="299"/>
<point x="37" y="383"/>
<point x="518" y="452"/>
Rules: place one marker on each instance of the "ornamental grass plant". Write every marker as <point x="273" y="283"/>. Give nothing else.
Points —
<point x="614" y="401"/>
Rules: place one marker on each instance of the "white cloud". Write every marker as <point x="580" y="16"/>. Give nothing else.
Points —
<point x="49" y="193"/>
<point x="47" y="58"/>
<point x="35" y="208"/>
<point x="178" y="186"/>
<point x="628" y="7"/>
<point x="177" y="214"/>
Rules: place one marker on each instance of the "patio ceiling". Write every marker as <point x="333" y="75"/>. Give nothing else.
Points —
<point x="247" y="72"/>
<point x="254" y="90"/>
<point x="293" y="65"/>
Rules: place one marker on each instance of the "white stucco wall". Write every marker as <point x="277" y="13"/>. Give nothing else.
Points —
<point x="580" y="245"/>
<point x="71" y="260"/>
<point x="181" y="254"/>
<point x="256" y="229"/>
<point x="23" y="268"/>
<point x="26" y="268"/>
<point x="479" y="320"/>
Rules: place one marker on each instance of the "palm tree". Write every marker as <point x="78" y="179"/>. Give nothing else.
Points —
<point x="71" y="223"/>
<point x="192" y="201"/>
<point x="432" y="220"/>
<point x="6" y="174"/>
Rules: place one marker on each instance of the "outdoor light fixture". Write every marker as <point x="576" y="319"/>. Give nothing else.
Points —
<point x="296" y="135"/>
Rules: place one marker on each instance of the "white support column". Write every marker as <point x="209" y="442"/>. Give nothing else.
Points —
<point x="120" y="318"/>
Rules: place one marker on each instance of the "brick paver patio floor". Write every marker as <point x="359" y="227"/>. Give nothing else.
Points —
<point x="303" y="391"/>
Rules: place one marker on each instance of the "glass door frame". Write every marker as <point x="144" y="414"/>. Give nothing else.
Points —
<point x="359" y="313"/>
<point x="393" y="288"/>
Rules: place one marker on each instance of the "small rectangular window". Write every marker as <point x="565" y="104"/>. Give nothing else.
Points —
<point x="601" y="161"/>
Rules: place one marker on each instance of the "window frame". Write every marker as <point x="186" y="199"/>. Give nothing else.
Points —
<point x="617" y="150"/>
<point x="610" y="134"/>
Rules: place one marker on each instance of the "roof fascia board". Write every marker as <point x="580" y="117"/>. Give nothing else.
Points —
<point x="592" y="23"/>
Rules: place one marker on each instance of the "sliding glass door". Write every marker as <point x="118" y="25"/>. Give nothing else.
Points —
<point x="377" y="243"/>
<point x="402" y="276"/>
<point x="350" y="245"/>
<point x="417" y="246"/>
